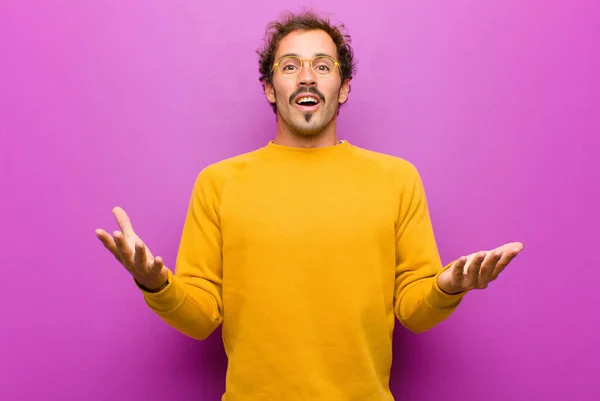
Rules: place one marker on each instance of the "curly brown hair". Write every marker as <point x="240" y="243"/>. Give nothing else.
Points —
<point x="305" y="21"/>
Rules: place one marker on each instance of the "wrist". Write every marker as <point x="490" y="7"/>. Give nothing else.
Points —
<point x="448" y="291"/>
<point x="445" y="286"/>
<point x="153" y="288"/>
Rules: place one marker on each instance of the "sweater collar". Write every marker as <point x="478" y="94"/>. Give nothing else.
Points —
<point x="290" y="152"/>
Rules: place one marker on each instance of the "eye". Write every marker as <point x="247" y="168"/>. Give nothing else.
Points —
<point x="323" y="65"/>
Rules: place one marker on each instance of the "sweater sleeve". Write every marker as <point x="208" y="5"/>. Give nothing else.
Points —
<point x="419" y="302"/>
<point x="192" y="301"/>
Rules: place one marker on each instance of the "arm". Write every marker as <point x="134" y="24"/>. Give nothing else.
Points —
<point x="419" y="302"/>
<point x="191" y="300"/>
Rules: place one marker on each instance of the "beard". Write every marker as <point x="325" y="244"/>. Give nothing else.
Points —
<point x="308" y="123"/>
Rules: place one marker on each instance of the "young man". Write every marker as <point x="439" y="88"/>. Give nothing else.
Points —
<point x="309" y="248"/>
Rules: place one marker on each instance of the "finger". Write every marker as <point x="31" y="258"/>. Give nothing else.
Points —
<point x="106" y="239"/>
<point x="141" y="260"/>
<point x="123" y="221"/>
<point x="124" y="250"/>
<point x="157" y="265"/>
<point x="458" y="270"/>
<point x="108" y="242"/>
<point x="488" y="267"/>
<point x="507" y="257"/>
<point x="511" y="246"/>
<point x="472" y="277"/>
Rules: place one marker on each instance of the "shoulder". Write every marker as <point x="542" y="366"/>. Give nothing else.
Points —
<point x="396" y="167"/>
<point x="217" y="174"/>
<point x="403" y="176"/>
<point x="225" y="168"/>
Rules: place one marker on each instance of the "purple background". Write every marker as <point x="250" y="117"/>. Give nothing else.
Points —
<point x="106" y="103"/>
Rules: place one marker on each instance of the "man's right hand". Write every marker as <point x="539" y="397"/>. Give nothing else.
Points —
<point x="130" y="251"/>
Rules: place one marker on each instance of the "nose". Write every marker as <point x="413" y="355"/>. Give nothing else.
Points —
<point x="307" y="76"/>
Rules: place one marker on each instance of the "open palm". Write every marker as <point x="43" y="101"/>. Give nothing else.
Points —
<point x="127" y="247"/>
<point x="478" y="269"/>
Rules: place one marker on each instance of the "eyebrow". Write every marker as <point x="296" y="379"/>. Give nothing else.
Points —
<point x="314" y="55"/>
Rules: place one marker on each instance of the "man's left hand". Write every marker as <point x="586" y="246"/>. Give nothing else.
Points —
<point x="478" y="269"/>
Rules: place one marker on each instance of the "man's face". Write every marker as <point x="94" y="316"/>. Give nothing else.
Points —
<point x="287" y="92"/>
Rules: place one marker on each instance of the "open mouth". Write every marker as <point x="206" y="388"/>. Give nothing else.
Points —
<point x="307" y="102"/>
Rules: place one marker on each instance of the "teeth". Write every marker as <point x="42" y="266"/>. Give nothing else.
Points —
<point x="307" y="99"/>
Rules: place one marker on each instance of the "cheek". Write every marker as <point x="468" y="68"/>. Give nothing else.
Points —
<point x="283" y="91"/>
<point x="331" y="92"/>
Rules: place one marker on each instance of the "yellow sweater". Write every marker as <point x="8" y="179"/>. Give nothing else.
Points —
<point x="306" y="256"/>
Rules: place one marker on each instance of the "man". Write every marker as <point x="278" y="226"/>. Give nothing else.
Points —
<point x="307" y="249"/>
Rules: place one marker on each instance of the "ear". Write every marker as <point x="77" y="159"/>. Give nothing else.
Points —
<point x="269" y="92"/>
<point x="344" y="91"/>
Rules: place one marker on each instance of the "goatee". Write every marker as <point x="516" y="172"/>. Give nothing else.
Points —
<point x="307" y="117"/>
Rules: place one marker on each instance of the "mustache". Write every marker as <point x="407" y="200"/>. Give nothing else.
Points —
<point x="311" y="90"/>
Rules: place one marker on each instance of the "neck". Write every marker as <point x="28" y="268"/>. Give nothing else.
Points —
<point x="286" y="136"/>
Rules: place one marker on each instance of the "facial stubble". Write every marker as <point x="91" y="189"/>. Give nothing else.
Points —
<point x="309" y="115"/>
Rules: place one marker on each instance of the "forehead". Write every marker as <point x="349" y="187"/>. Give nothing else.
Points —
<point x="306" y="44"/>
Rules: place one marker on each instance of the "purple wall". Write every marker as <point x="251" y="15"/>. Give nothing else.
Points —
<point x="106" y="103"/>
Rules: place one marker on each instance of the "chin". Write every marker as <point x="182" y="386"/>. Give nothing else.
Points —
<point x="306" y="125"/>
<point x="308" y="129"/>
